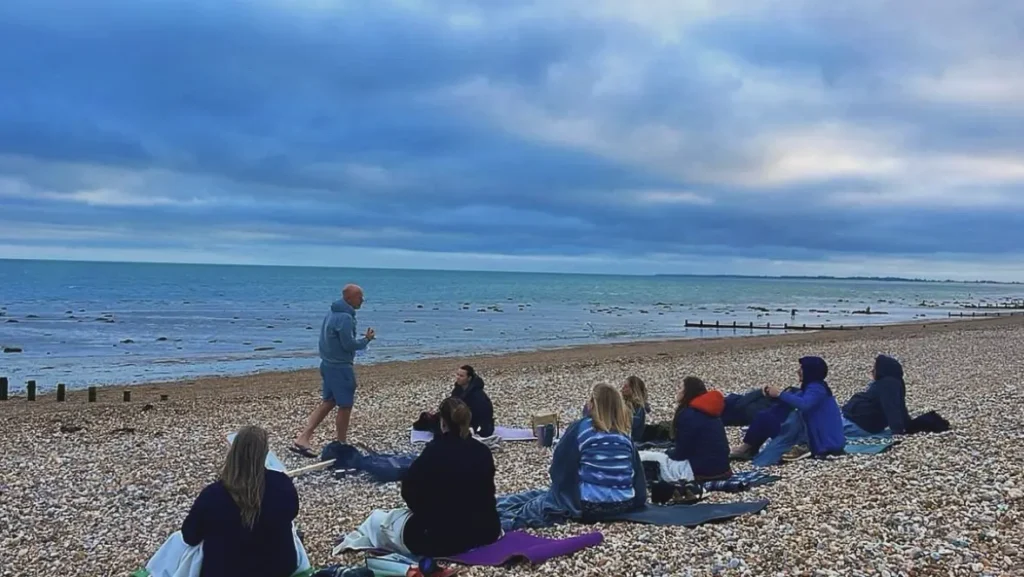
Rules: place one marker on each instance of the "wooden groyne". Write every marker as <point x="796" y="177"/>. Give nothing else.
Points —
<point x="92" y="393"/>
<point x="974" y="314"/>
<point x="768" y="326"/>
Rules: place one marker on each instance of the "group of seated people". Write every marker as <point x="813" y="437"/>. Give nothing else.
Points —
<point x="245" y="519"/>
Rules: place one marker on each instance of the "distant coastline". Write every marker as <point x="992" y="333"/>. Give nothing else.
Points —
<point x="845" y="278"/>
<point x="655" y="275"/>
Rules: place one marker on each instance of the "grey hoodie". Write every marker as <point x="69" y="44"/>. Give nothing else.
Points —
<point x="338" y="342"/>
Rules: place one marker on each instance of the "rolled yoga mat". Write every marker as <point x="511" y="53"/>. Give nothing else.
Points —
<point x="520" y="546"/>
<point x="690" y="515"/>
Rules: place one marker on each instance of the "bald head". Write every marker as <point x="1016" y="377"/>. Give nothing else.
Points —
<point x="353" y="295"/>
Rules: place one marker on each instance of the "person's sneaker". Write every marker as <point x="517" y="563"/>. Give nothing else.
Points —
<point x="742" y="453"/>
<point x="796" y="453"/>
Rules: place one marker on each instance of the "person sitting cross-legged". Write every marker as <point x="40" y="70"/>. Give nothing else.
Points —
<point x="701" y="448"/>
<point x="449" y="495"/>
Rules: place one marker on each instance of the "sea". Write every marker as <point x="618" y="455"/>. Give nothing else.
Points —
<point x="90" y="323"/>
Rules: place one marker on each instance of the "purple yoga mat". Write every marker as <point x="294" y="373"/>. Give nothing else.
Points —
<point x="517" y="546"/>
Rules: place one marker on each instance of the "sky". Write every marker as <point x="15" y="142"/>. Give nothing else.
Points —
<point x="764" y="137"/>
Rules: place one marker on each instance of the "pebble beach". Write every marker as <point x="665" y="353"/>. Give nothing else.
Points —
<point x="93" y="489"/>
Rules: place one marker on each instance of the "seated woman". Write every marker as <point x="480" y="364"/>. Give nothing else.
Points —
<point x="634" y="393"/>
<point x="595" y="471"/>
<point x="819" y="428"/>
<point x="244" y="520"/>
<point x="449" y="495"/>
<point x="701" y="447"/>
<point x="469" y="388"/>
<point x="883" y="405"/>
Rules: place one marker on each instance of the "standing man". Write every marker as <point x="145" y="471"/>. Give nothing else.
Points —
<point x="338" y="346"/>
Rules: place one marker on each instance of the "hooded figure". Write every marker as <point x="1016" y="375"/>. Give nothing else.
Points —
<point x="884" y="403"/>
<point x="472" y="393"/>
<point x="818" y="408"/>
<point x="700" y="436"/>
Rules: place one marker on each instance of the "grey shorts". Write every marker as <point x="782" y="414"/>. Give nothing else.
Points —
<point x="339" y="384"/>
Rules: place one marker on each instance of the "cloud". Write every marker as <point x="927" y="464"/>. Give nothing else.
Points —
<point x="781" y="135"/>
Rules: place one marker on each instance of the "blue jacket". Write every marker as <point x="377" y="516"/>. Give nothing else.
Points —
<point x="564" y="494"/>
<point x="884" y="403"/>
<point x="233" y="550"/>
<point x="639" y="423"/>
<point x="700" y="437"/>
<point x="821" y="415"/>
<point x="338" y="342"/>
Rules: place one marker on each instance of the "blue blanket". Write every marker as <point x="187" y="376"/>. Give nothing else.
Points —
<point x="691" y="515"/>
<point x="872" y="445"/>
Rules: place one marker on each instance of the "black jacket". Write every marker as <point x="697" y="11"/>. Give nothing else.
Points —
<point x="232" y="550"/>
<point x="450" y="491"/>
<point x="884" y="403"/>
<point x="479" y="404"/>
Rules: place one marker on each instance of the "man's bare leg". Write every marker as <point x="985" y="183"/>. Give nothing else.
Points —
<point x="341" y="419"/>
<point x="315" y="418"/>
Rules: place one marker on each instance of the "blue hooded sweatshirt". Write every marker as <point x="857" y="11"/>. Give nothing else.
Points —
<point x="818" y="408"/>
<point x="564" y="494"/>
<point x="338" y="342"/>
<point x="884" y="403"/>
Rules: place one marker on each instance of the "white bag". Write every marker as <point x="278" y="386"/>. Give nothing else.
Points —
<point x="175" y="558"/>
<point x="381" y="530"/>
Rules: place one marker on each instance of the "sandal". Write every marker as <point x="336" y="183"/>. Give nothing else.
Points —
<point x="303" y="451"/>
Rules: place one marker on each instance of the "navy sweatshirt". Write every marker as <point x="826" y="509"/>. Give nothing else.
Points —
<point x="233" y="550"/>
<point x="701" y="439"/>
<point x="884" y="403"/>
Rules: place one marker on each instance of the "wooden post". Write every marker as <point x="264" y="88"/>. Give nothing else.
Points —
<point x="30" y="387"/>
<point x="163" y="397"/>
<point x="61" y="392"/>
<point x="127" y="396"/>
<point x="92" y="394"/>
<point x="3" y="388"/>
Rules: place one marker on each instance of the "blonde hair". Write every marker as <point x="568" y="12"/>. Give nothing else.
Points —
<point x="637" y="393"/>
<point x="244" y="471"/>
<point x="608" y="410"/>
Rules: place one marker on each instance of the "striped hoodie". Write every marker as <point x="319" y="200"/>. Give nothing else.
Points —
<point x="606" y="467"/>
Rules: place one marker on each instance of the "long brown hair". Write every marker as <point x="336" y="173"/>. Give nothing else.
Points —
<point x="456" y="416"/>
<point x="244" y="471"/>
<point x="637" y="396"/>
<point x="693" y="387"/>
<point x="608" y="410"/>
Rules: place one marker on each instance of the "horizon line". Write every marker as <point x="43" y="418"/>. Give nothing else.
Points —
<point x="651" y="275"/>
